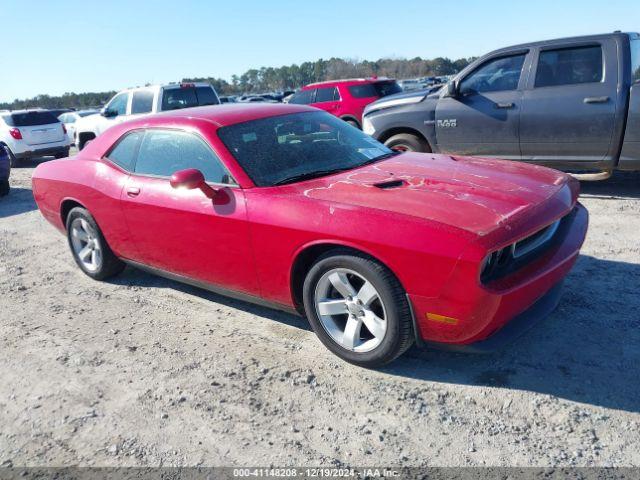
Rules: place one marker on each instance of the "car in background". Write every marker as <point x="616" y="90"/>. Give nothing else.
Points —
<point x="5" y="170"/>
<point x="227" y="99"/>
<point x="379" y="249"/>
<point x="135" y="102"/>
<point x="69" y="120"/>
<point x="346" y="99"/>
<point x="568" y="103"/>
<point x="56" y="112"/>
<point x="410" y="84"/>
<point x="31" y="134"/>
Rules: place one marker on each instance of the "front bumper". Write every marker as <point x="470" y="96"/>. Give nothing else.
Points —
<point x="467" y="312"/>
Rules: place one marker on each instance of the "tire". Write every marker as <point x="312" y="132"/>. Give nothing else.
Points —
<point x="105" y="264"/>
<point x="407" y="142"/>
<point x="63" y="154"/>
<point x="389" y="307"/>
<point x="4" y="187"/>
<point x="14" y="162"/>
<point x="352" y="122"/>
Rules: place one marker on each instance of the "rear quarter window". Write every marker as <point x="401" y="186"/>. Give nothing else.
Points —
<point x="29" y="119"/>
<point x="124" y="152"/>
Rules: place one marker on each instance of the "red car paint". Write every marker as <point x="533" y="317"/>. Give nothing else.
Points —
<point x="348" y="106"/>
<point x="433" y="230"/>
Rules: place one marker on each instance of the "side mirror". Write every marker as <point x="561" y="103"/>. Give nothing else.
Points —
<point x="190" y="179"/>
<point x="453" y="89"/>
<point x="105" y="112"/>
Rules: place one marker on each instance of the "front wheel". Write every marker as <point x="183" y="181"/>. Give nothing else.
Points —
<point x="358" y="309"/>
<point x="89" y="247"/>
<point x="407" y="142"/>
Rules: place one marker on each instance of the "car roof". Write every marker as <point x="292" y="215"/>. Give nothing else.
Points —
<point x="583" y="38"/>
<point x="222" y="115"/>
<point x="348" y="81"/>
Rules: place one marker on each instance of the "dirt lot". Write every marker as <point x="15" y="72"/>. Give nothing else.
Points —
<point x="145" y="371"/>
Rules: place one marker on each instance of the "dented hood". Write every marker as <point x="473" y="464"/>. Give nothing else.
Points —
<point x="476" y="195"/>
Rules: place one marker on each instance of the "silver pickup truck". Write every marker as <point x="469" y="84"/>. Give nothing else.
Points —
<point x="571" y="103"/>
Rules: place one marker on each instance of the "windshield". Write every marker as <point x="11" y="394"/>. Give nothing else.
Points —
<point x="298" y="146"/>
<point x="28" y="119"/>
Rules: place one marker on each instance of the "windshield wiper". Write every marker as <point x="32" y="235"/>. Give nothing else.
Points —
<point x="308" y="175"/>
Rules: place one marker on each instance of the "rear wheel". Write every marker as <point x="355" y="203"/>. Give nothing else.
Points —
<point x="358" y="309"/>
<point x="407" y="142"/>
<point x="4" y="187"/>
<point x="89" y="247"/>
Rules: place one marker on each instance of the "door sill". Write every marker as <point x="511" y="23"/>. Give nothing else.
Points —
<point x="236" y="295"/>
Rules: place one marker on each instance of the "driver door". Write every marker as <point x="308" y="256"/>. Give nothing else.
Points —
<point x="183" y="231"/>
<point x="483" y="119"/>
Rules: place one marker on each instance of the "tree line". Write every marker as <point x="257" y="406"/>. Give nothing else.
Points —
<point x="287" y="77"/>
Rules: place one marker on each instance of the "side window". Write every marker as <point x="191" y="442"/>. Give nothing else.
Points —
<point x="496" y="75"/>
<point x="119" y="104"/>
<point x="635" y="60"/>
<point x="124" y="152"/>
<point x="303" y="97"/>
<point x="164" y="152"/>
<point x="568" y="66"/>
<point x="142" y="101"/>
<point x="326" y="94"/>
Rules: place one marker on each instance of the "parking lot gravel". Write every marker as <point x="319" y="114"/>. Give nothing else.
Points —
<point x="145" y="371"/>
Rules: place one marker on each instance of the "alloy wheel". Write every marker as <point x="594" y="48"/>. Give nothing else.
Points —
<point x="351" y="310"/>
<point x="86" y="244"/>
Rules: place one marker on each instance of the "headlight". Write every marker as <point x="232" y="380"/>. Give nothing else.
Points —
<point x="367" y="127"/>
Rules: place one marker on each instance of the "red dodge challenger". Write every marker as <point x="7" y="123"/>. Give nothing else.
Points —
<point x="289" y="206"/>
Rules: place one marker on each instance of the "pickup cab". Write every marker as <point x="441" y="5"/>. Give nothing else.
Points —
<point x="135" y="102"/>
<point x="571" y="103"/>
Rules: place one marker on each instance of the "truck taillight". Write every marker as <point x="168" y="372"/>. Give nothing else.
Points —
<point x="187" y="85"/>
<point x="15" y="133"/>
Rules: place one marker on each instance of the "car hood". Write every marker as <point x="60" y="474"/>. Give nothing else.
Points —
<point x="472" y="194"/>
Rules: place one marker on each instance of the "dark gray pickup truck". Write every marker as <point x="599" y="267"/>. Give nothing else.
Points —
<point x="572" y="103"/>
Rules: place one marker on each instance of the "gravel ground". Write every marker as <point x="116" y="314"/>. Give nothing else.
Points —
<point x="145" y="371"/>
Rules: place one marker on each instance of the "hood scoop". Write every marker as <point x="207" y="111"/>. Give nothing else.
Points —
<point x="390" y="184"/>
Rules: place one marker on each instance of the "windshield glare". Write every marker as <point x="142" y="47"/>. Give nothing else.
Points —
<point x="274" y="149"/>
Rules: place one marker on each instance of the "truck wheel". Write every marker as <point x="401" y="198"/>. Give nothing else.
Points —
<point x="407" y="142"/>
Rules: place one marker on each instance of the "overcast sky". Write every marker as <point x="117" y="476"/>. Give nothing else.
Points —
<point x="79" y="46"/>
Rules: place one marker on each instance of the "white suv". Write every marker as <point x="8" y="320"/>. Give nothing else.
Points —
<point x="32" y="133"/>
<point x="135" y="102"/>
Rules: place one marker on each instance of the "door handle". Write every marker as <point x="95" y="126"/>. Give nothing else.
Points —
<point x="596" y="99"/>
<point x="133" y="191"/>
<point x="505" y="105"/>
